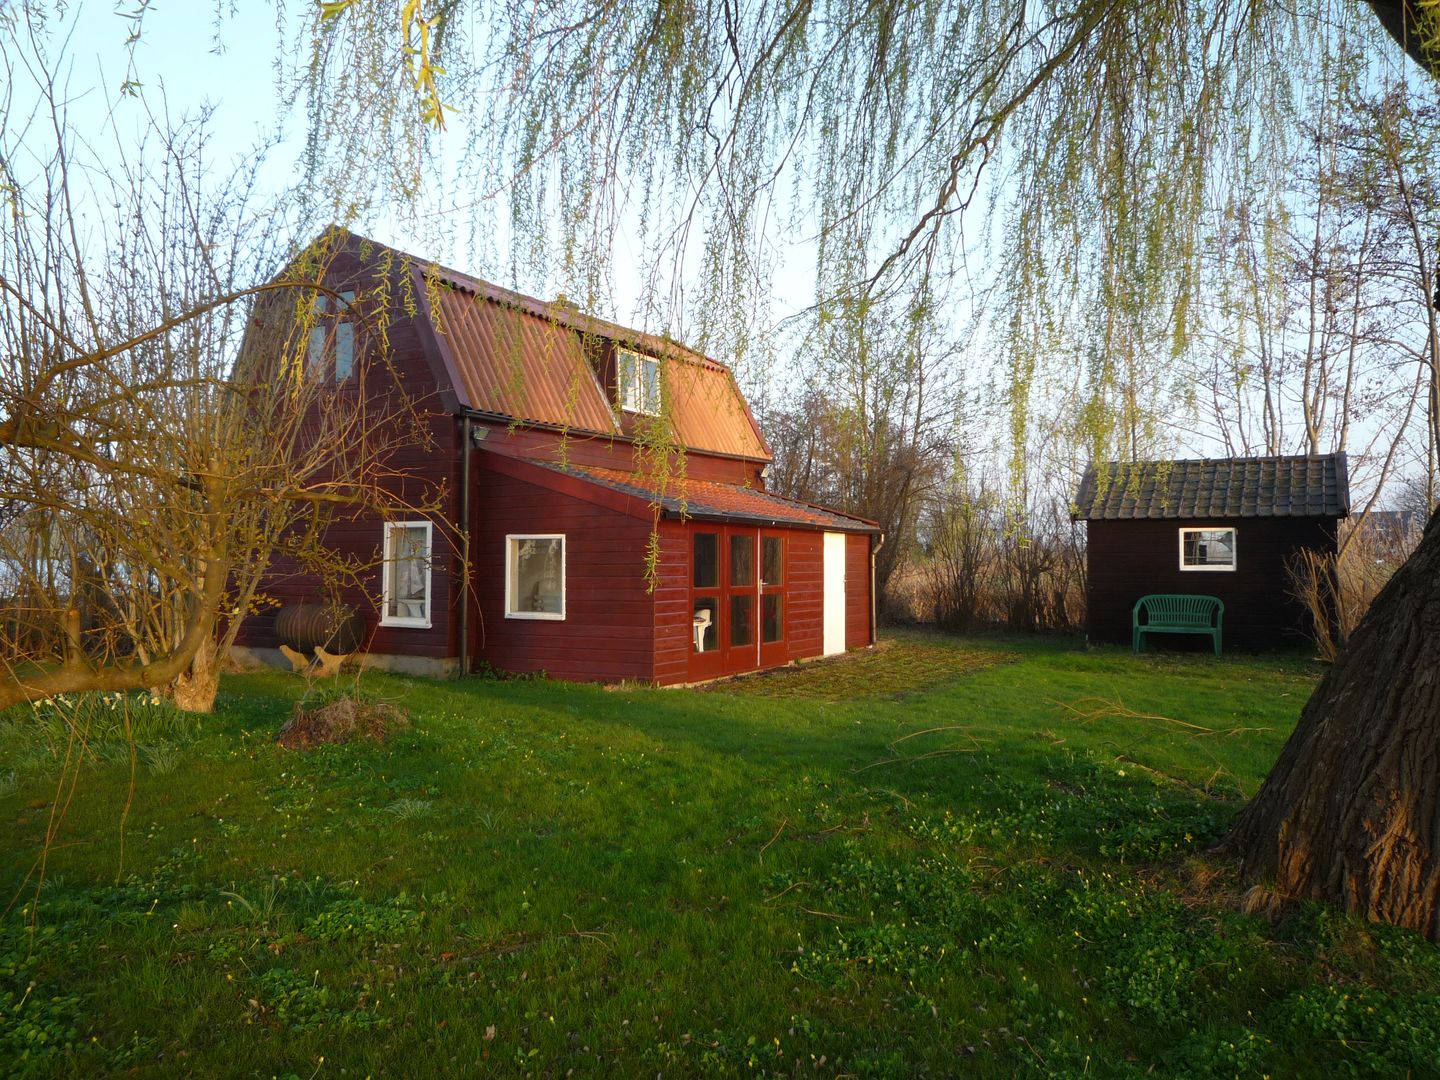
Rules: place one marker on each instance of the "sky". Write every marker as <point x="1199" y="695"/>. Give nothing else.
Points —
<point x="228" y="64"/>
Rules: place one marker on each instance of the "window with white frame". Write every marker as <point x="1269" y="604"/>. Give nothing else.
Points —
<point x="637" y="382"/>
<point x="1207" y="549"/>
<point x="535" y="577"/>
<point x="406" y="582"/>
<point x="332" y="339"/>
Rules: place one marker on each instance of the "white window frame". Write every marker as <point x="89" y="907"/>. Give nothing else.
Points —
<point x="1216" y="568"/>
<point x="630" y="393"/>
<point x="511" y="547"/>
<point x="425" y="621"/>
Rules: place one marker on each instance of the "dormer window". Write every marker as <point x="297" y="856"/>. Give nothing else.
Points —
<point x="637" y="382"/>
<point x="332" y="339"/>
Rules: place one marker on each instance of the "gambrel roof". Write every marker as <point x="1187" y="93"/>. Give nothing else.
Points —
<point x="518" y="358"/>
<point x="1315" y="485"/>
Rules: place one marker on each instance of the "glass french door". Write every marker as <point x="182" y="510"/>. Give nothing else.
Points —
<point x="774" y="598"/>
<point x="707" y="604"/>
<point x="742" y="596"/>
<point x="737" y="601"/>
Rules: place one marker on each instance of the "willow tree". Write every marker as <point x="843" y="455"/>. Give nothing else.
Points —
<point x="1093" y="145"/>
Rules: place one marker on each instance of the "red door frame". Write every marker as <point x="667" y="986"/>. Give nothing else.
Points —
<point x="725" y="655"/>
<point x="743" y="655"/>
<point x="777" y="652"/>
<point x="707" y="662"/>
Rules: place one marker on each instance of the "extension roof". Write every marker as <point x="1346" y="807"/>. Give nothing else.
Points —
<point x="1300" y="486"/>
<point x="708" y="500"/>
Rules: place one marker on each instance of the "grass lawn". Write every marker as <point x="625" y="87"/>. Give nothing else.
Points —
<point x="952" y="857"/>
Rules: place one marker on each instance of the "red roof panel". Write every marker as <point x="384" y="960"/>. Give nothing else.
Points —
<point x="682" y="496"/>
<point x="520" y="357"/>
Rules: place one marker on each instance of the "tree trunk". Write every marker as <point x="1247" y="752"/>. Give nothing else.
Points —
<point x="1350" y="813"/>
<point x="194" y="689"/>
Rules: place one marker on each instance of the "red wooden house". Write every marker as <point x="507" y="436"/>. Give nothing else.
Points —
<point x="594" y="552"/>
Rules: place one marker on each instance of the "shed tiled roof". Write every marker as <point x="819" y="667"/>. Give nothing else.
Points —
<point x="708" y="499"/>
<point x="1301" y="486"/>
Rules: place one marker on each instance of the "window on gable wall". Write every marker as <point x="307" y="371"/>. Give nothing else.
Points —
<point x="637" y="382"/>
<point x="332" y="339"/>
<point x="1207" y="549"/>
<point x="406" y="583"/>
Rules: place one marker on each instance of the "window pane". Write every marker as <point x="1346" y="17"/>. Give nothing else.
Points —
<point x="409" y="572"/>
<point x="772" y="560"/>
<point x="742" y="620"/>
<point x="772" y="622"/>
<point x="742" y="560"/>
<point x="1208" y="547"/>
<point x="707" y="623"/>
<point x="344" y="351"/>
<point x="637" y="382"/>
<point x="650" y="369"/>
<point x="537" y="582"/>
<point x="625" y="380"/>
<point x="316" y="359"/>
<point x="707" y="560"/>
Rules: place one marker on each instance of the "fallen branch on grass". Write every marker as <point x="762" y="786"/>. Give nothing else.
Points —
<point x="944" y="751"/>
<point x="783" y="822"/>
<point x="1094" y="708"/>
<point x="590" y="935"/>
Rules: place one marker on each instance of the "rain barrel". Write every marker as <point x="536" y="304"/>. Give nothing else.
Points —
<point x="335" y="628"/>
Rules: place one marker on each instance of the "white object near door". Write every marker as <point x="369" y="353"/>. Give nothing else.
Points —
<point x="834" y="641"/>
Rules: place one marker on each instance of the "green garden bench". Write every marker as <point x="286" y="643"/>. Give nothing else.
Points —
<point x="1175" y="613"/>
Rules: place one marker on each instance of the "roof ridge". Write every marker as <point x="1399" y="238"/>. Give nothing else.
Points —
<point x="574" y="317"/>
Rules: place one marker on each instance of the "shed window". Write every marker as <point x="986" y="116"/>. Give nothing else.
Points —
<point x="1207" y="549"/>
<point x="637" y="382"/>
<point x="535" y="577"/>
<point x="406" y="582"/>
<point x="332" y="339"/>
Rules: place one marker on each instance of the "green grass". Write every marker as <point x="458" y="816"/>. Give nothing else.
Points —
<point x="977" y="857"/>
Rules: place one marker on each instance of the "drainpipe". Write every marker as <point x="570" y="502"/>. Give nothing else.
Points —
<point x="463" y="630"/>
<point x="875" y="546"/>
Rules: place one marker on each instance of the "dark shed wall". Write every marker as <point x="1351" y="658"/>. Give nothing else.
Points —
<point x="607" y="630"/>
<point x="1127" y="559"/>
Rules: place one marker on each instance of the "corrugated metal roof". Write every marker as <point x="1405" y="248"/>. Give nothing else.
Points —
<point x="1299" y="486"/>
<point x="515" y="364"/>
<point x="711" y="499"/>
<point x="520" y="357"/>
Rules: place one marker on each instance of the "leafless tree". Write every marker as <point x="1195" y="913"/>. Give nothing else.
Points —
<point x="161" y="432"/>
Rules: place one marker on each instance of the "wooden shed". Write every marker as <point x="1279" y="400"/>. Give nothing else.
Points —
<point x="592" y="555"/>
<point x="1225" y="527"/>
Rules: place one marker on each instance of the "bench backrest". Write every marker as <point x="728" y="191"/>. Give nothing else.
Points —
<point x="1179" y="609"/>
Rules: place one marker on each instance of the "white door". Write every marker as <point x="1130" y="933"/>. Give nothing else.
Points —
<point x="834" y="593"/>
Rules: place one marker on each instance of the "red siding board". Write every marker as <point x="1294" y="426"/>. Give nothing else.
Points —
<point x="857" y="592"/>
<point x="607" y="630"/>
<point x="805" y="567"/>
